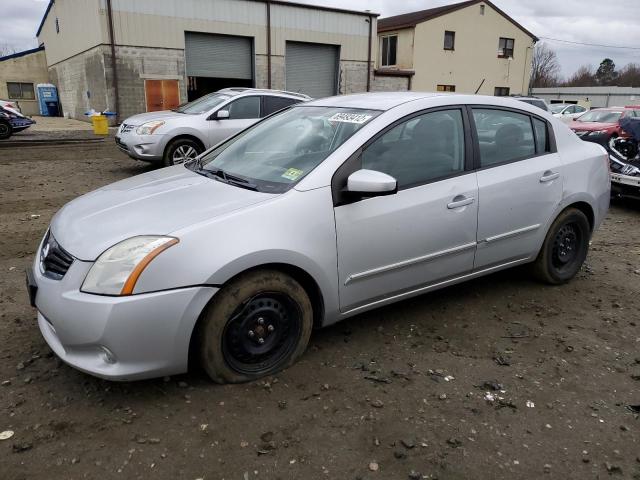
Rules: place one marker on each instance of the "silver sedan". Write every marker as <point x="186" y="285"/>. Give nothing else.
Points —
<point x="326" y="210"/>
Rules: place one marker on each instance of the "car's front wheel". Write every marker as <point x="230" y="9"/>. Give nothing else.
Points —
<point x="257" y="325"/>
<point x="565" y="248"/>
<point x="180" y="151"/>
<point x="5" y="130"/>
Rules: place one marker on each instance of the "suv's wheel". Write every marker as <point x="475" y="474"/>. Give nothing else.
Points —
<point x="180" y="151"/>
<point x="257" y="325"/>
<point x="5" y="130"/>
<point x="565" y="248"/>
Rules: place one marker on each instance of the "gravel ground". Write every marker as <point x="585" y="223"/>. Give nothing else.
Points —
<point x="501" y="377"/>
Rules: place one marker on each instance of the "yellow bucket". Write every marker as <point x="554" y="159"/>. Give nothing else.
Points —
<point x="100" y="125"/>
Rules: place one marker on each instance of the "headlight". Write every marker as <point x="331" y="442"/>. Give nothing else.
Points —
<point x="149" y="127"/>
<point x="117" y="270"/>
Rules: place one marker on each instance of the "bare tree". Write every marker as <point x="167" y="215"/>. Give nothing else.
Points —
<point x="583" y="77"/>
<point x="6" y="49"/>
<point x="545" y="69"/>
<point x="629" y="76"/>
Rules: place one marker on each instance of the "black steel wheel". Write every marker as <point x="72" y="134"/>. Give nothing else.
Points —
<point x="256" y="325"/>
<point x="5" y="130"/>
<point x="565" y="248"/>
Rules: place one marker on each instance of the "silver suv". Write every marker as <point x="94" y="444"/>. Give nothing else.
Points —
<point x="175" y="136"/>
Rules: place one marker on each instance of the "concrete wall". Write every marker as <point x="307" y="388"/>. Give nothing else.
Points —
<point x="475" y="56"/>
<point x="31" y="68"/>
<point x="387" y="83"/>
<point x="591" y="96"/>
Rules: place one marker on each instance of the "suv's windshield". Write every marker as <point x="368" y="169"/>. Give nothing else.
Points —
<point x="203" y="104"/>
<point x="278" y="152"/>
<point x="600" y="116"/>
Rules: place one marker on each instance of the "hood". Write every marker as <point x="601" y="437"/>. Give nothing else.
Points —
<point x="141" y="118"/>
<point x="591" y="126"/>
<point x="154" y="203"/>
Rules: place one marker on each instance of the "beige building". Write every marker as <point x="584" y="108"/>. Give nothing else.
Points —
<point x="19" y="75"/>
<point x="143" y="55"/>
<point x="468" y="47"/>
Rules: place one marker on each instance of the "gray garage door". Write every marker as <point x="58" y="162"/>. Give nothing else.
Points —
<point x="312" y="68"/>
<point x="218" y="56"/>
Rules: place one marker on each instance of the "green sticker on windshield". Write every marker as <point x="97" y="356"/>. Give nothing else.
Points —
<point x="292" y="174"/>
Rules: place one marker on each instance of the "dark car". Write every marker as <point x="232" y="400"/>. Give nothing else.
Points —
<point x="603" y="124"/>
<point x="12" y="122"/>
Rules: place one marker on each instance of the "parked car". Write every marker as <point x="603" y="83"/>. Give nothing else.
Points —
<point x="326" y="210"/>
<point x="535" y="101"/>
<point x="601" y="125"/>
<point x="567" y="112"/>
<point x="12" y="122"/>
<point x="176" y="136"/>
<point x="625" y="161"/>
<point x="11" y="106"/>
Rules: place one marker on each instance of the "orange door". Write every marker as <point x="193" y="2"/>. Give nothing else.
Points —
<point x="161" y="94"/>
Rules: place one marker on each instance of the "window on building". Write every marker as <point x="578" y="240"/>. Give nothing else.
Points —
<point x="20" y="91"/>
<point x="389" y="50"/>
<point x="501" y="91"/>
<point x="449" y="40"/>
<point x="481" y="9"/>
<point x="446" y="88"/>
<point x="505" y="47"/>
<point x="503" y="136"/>
<point x="423" y="149"/>
<point x="57" y="25"/>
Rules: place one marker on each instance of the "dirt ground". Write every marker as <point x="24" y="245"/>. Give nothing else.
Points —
<point x="401" y="392"/>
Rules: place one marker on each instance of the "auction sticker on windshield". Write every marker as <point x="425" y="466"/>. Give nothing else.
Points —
<point x="292" y="174"/>
<point x="358" y="118"/>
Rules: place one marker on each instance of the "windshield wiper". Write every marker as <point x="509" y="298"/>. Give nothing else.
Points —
<point x="223" y="176"/>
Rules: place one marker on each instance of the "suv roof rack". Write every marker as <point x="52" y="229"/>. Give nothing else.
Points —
<point x="245" y="89"/>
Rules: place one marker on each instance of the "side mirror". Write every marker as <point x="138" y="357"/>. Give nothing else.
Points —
<point x="221" y="114"/>
<point x="371" y="183"/>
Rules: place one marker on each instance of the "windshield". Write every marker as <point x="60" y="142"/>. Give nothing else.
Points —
<point x="278" y="152"/>
<point x="557" y="108"/>
<point x="203" y="104"/>
<point x="601" y="116"/>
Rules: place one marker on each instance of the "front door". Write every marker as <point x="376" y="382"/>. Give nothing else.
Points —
<point x="161" y="94"/>
<point x="426" y="232"/>
<point x="519" y="183"/>
<point x="243" y="112"/>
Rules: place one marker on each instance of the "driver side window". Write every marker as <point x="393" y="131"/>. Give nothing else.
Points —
<point x="420" y="150"/>
<point x="244" y="108"/>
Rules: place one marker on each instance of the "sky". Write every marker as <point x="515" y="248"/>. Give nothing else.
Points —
<point x="615" y="22"/>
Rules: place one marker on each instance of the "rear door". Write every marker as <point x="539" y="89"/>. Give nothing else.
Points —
<point x="243" y="112"/>
<point x="519" y="183"/>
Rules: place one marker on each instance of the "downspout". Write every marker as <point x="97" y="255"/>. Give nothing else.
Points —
<point x="268" y="44"/>
<point x="369" y="55"/>
<point x="113" y="60"/>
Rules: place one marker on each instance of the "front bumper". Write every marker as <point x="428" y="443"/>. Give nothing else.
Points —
<point x="141" y="147"/>
<point x="625" y="185"/>
<point x="117" y="338"/>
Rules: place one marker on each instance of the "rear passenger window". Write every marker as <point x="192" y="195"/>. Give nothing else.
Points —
<point x="503" y="136"/>
<point x="420" y="150"/>
<point x="273" y="104"/>
<point x="542" y="140"/>
<point x="244" y="108"/>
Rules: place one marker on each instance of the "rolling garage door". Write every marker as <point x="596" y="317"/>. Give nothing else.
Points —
<point x="218" y="56"/>
<point x="312" y="68"/>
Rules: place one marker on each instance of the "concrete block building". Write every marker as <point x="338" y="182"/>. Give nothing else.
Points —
<point x="145" y="55"/>
<point x="20" y="73"/>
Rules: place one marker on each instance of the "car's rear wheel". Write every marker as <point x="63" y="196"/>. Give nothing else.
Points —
<point x="565" y="248"/>
<point x="5" y="130"/>
<point x="257" y="325"/>
<point x="180" y="151"/>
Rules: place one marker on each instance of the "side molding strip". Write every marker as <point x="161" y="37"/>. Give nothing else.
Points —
<point x="513" y="233"/>
<point x="411" y="261"/>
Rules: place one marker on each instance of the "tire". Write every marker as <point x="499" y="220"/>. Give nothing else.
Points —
<point x="181" y="150"/>
<point x="5" y="130"/>
<point x="257" y="325"/>
<point x="564" y="249"/>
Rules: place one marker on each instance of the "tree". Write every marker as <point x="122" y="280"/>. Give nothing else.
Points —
<point x="6" y="49"/>
<point x="583" y="77"/>
<point x="606" y="73"/>
<point x="629" y="76"/>
<point x="544" y="68"/>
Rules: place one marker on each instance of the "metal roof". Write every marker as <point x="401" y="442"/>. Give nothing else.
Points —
<point x="21" y="54"/>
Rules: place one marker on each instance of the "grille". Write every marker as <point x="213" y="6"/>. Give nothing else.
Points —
<point x="54" y="260"/>
<point x="126" y="128"/>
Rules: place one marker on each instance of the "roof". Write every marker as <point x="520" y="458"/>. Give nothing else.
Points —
<point x="238" y="90"/>
<point x="21" y="54"/>
<point x="409" y="20"/>
<point x="273" y="2"/>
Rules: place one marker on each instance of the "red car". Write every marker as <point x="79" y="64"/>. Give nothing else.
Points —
<point x="602" y="124"/>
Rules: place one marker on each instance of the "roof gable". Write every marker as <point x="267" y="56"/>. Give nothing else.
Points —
<point x="410" y="20"/>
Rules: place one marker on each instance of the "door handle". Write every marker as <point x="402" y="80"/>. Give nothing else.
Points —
<point x="460" y="201"/>
<point x="549" y="176"/>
